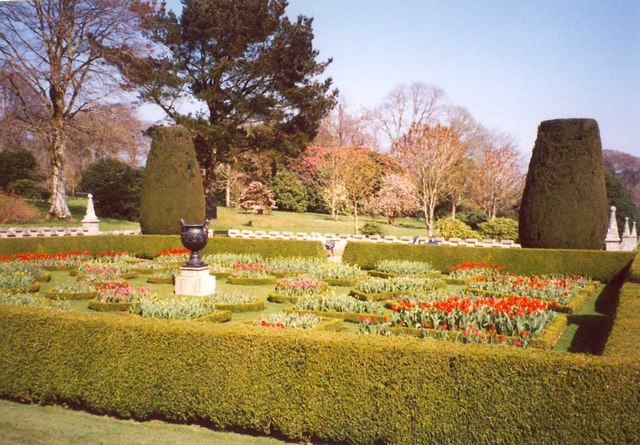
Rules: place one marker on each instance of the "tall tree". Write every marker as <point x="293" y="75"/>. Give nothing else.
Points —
<point x="360" y="173"/>
<point x="49" y="52"/>
<point x="498" y="180"/>
<point x="407" y="105"/>
<point x="342" y="128"/>
<point x="431" y="155"/>
<point x="251" y="70"/>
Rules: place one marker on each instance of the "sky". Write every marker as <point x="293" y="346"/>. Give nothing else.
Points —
<point x="512" y="64"/>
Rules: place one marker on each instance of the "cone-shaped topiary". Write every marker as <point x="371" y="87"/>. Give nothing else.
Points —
<point x="564" y="204"/>
<point x="172" y="186"/>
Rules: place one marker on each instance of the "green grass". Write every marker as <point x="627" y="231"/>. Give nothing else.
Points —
<point x="232" y="219"/>
<point x="54" y="425"/>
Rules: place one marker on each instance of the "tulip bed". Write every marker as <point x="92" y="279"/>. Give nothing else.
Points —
<point x="263" y="371"/>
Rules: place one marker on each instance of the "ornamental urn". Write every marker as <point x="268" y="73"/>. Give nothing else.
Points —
<point x="194" y="237"/>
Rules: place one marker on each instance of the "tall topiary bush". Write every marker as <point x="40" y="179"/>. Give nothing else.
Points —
<point x="564" y="204"/>
<point x="172" y="187"/>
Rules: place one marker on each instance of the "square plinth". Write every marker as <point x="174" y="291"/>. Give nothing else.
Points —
<point x="195" y="281"/>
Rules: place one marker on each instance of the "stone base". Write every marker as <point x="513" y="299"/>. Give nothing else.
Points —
<point x="92" y="227"/>
<point x="195" y="281"/>
<point x="612" y="245"/>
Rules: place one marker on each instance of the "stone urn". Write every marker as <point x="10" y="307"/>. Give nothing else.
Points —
<point x="194" y="237"/>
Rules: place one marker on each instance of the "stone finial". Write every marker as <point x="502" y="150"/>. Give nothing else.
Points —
<point x="626" y="231"/>
<point x="612" y="229"/>
<point x="634" y="233"/>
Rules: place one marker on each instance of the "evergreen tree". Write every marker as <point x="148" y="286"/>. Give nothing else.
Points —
<point x="289" y="193"/>
<point x="251" y="68"/>
<point x="620" y="197"/>
<point x="115" y="186"/>
<point x="564" y="204"/>
<point x="172" y="188"/>
<point x="16" y="164"/>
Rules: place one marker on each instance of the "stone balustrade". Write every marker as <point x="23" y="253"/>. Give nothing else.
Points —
<point x="261" y="234"/>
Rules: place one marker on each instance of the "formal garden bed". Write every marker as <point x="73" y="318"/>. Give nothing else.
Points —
<point x="161" y="339"/>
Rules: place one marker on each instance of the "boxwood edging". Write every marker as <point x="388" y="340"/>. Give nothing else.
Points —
<point x="599" y="265"/>
<point x="149" y="246"/>
<point x="71" y="295"/>
<point x="255" y="306"/>
<point x="351" y="317"/>
<point x="251" y="281"/>
<point x="132" y="367"/>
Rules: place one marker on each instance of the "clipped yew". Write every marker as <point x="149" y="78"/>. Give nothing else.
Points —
<point x="172" y="188"/>
<point x="564" y="204"/>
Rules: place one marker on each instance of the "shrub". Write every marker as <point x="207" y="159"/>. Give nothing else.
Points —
<point x="454" y="228"/>
<point x="116" y="188"/>
<point x="472" y="219"/>
<point x="564" y="204"/>
<point x="499" y="228"/>
<point x="15" y="210"/>
<point x="373" y="229"/>
<point x="289" y="193"/>
<point x="599" y="265"/>
<point x="390" y="390"/>
<point x="257" y="198"/>
<point x="15" y="165"/>
<point x="172" y="187"/>
<point x="28" y="188"/>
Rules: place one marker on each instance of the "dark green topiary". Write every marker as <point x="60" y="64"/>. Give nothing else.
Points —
<point x="172" y="187"/>
<point x="564" y="204"/>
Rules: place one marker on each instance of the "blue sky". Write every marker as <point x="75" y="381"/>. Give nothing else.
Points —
<point x="512" y="63"/>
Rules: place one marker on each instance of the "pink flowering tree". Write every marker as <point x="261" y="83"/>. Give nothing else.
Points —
<point x="257" y="198"/>
<point x="396" y="198"/>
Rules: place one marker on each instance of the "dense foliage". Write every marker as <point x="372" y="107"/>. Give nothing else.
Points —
<point x="289" y="193"/>
<point x="172" y="188"/>
<point x="564" y="204"/>
<point x="499" y="229"/>
<point x="16" y="164"/>
<point x="116" y="188"/>
<point x="621" y="198"/>
<point x="454" y="228"/>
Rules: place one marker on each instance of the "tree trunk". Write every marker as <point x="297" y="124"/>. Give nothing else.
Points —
<point x="59" y="208"/>
<point x="355" y="217"/>
<point x="453" y="210"/>
<point x="227" y="195"/>
<point x="210" y="200"/>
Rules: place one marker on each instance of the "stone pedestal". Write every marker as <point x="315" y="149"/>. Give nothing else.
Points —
<point x="612" y="240"/>
<point x="195" y="281"/>
<point x="90" y="222"/>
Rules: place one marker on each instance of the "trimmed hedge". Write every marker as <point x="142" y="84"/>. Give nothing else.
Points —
<point x="71" y="295"/>
<point x="625" y="336"/>
<point x="255" y="306"/>
<point x="351" y="317"/>
<point x="599" y="265"/>
<point x="151" y="245"/>
<point x="355" y="389"/>
<point x="241" y="281"/>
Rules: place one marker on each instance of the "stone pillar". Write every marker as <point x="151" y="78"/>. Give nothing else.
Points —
<point x="195" y="282"/>
<point x="90" y="222"/>
<point x="629" y="242"/>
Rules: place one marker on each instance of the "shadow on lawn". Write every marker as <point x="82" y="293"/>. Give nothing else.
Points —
<point x="594" y="328"/>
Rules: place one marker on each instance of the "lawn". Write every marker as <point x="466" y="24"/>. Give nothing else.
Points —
<point x="55" y="425"/>
<point x="229" y="218"/>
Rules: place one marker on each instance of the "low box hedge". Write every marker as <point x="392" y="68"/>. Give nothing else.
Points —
<point x="351" y="317"/>
<point x="255" y="306"/>
<point x="275" y="297"/>
<point x="71" y="295"/>
<point x="109" y="307"/>
<point x="599" y="265"/>
<point x="381" y="274"/>
<point x="150" y="245"/>
<point x="19" y="290"/>
<point x="317" y="385"/>
<point x="251" y="281"/>
<point x="218" y="316"/>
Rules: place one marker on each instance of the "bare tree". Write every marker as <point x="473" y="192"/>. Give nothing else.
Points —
<point x="228" y="178"/>
<point x="48" y="52"/>
<point x="431" y="155"/>
<point x="498" y="181"/>
<point x="341" y="128"/>
<point x="417" y="103"/>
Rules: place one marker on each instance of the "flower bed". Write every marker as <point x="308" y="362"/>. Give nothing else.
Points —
<point x="512" y="320"/>
<point x="468" y="270"/>
<point x="569" y="294"/>
<point x="338" y="274"/>
<point x="400" y="268"/>
<point x="174" y="308"/>
<point x="290" y="290"/>
<point x="296" y="320"/>
<point x="284" y="267"/>
<point x="30" y="299"/>
<point x="236" y="302"/>
<point x="250" y="274"/>
<point x="117" y="297"/>
<point x="342" y="307"/>
<point x="77" y="290"/>
<point x="379" y="289"/>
